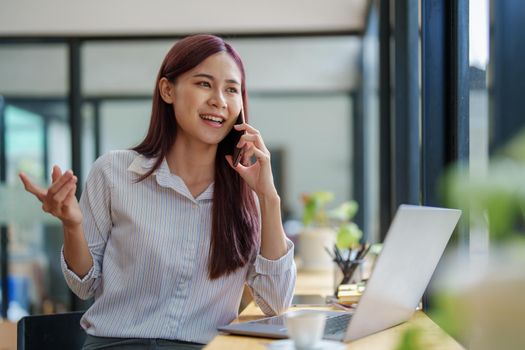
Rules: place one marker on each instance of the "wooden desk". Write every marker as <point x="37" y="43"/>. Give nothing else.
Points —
<point x="321" y="283"/>
<point x="7" y="335"/>
<point x="434" y="337"/>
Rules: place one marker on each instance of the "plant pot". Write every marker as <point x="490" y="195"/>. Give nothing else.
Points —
<point x="312" y="252"/>
<point x="496" y="310"/>
<point x="483" y="301"/>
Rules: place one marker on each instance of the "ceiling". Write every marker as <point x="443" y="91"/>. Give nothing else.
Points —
<point x="172" y="17"/>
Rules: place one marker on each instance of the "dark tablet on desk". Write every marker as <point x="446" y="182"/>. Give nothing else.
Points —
<point x="308" y="299"/>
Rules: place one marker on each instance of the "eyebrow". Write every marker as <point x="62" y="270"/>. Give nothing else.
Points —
<point x="204" y="75"/>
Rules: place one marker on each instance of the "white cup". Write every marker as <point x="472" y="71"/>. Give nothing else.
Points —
<point x="305" y="328"/>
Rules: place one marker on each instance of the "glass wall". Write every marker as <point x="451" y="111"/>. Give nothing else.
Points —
<point x="479" y="111"/>
<point x="36" y="135"/>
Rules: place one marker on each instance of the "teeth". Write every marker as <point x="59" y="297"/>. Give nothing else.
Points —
<point x="212" y="118"/>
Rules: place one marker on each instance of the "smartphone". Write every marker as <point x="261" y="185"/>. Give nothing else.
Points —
<point x="238" y="152"/>
<point x="308" y="300"/>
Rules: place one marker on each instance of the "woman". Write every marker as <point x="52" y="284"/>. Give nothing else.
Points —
<point x="166" y="235"/>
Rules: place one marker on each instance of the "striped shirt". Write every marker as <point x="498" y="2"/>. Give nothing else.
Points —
<point x="150" y="242"/>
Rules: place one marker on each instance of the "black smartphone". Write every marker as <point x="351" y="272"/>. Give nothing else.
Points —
<point x="238" y="152"/>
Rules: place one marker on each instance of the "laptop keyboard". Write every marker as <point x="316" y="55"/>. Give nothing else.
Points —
<point x="334" y="323"/>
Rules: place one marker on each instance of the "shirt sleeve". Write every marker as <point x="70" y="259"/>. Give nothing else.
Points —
<point x="95" y="204"/>
<point x="272" y="282"/>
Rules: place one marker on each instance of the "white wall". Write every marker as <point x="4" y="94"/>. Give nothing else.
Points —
<point x="33" y="69"/>
<point x="125" y="17"/>
<point x="123" y="124"/>
<point x="314" y="132"/>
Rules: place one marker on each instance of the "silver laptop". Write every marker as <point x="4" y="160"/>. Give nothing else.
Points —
<point x="411" y="251"/>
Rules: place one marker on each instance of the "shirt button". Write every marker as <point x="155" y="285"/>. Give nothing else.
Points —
<point x="194" y="206"/>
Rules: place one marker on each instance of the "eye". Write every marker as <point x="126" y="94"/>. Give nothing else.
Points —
<point x="204" y="84"/>
<point x="232" y="90"/>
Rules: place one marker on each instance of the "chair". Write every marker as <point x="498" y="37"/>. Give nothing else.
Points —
<point x="53" y="332"/>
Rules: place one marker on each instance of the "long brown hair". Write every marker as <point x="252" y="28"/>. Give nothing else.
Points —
<point x="235" y="222"/>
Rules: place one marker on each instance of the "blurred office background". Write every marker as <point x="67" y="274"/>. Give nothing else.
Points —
<point x="370" y="99"/>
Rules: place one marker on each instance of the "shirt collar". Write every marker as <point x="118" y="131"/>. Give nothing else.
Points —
<point x="141" y="165"/>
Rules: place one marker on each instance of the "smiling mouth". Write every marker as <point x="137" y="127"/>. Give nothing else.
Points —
<point x="212" y="118"/>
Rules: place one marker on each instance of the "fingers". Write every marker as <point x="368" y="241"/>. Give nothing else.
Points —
<point x="246" y="159"/>
<point x="69" y="187"/>
<point x="59" y="181"/>
<point x="59" y="200"/>
<point x="250" y="149"/>
<point x="251" y="135"/>
<point x="247" y="154"/>
<point x="261" y="156"/>
<point x="70" y="198"/>
<point x="55" y="198"/>
<point x="237" y="167"/>
<point x="253" y="145"/>
<point x="56" y="173"/>
<point x="31" y="188"/>
<point x="246" y="127"/>
<point x="248" y="138"/>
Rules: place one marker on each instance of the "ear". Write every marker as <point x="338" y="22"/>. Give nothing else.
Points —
<point x="166" y="90"/>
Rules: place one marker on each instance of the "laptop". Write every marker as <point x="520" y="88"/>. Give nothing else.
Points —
<point x="411" y="251"/>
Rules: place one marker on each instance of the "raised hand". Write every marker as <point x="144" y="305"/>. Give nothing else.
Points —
<point x="258" y="175"/>
<point x="59" y="199"/>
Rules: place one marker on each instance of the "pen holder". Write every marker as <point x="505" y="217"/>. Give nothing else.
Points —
<point x="347" y="273"/>
<point x="348" y="264"/>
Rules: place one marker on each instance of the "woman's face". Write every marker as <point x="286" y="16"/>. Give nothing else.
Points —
<point x="207" y="99"/>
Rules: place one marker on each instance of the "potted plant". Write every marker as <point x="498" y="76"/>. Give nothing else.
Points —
<point x="325" y="229"/>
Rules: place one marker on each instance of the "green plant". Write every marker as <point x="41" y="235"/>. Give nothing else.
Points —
<point x="495" y="197"/>
<point x="491" y="199"/>
<point x="316" y="214"/>
<point x="411" y="339"/>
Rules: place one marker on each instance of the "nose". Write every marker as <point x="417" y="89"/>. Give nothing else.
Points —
<point x="217" y="100"/>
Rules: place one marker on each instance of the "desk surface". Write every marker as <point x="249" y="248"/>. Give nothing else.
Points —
<point x="321" y="283"/>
